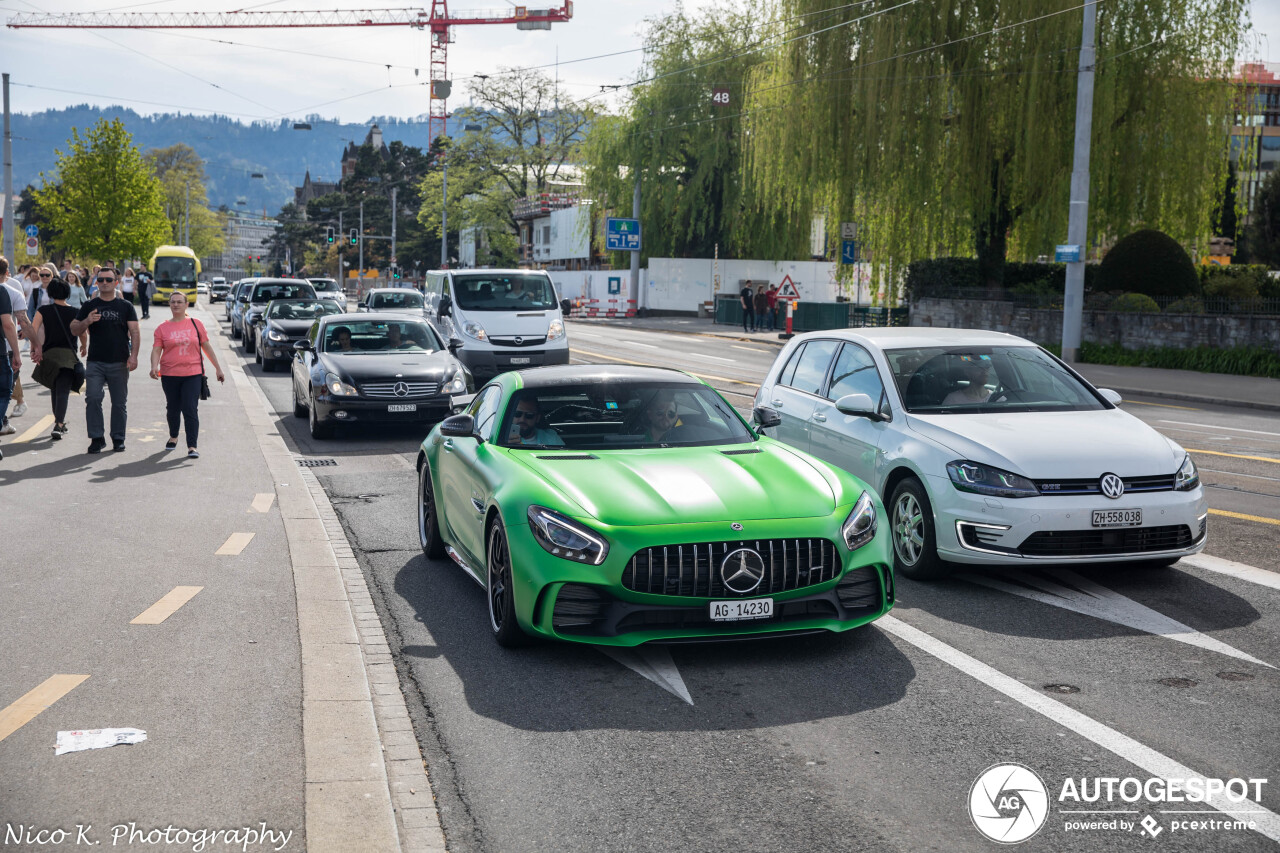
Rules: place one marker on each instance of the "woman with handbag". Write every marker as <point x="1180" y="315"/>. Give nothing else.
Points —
<point x="59" y="370"/>
<point x="177" y="363"/>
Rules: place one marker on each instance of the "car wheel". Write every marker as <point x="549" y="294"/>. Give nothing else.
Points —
<point x="299" y="410"/>
<point x="428" y="520"/>
<point x="268" y="365"/>
<point x="247" y="341"/>
<point x="500" y="591"/>
<point x="915" y="547"/>
<point x="235" y="331"/>
<point x="318" y="430"/>
<point x="257" y="356"/>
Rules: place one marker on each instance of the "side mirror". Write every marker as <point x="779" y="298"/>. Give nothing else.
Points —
<point x="458" y="426"/>
<point x="446" y="305"/>
<point x="303" y="345"/>
<point x="766" y="417"/>
<point x="858" y="405"/>
<point x="455" y="344"/>
<point x="565" y="307"/>
<point x="1110" y="396"/>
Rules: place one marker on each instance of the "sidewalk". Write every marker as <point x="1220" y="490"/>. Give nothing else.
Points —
<point x="263" y="680"/>
<point x="1204" y="388"/>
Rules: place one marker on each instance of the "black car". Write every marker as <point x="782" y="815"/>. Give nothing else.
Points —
<point x="376" y="368"/>
<point x="254" y="302"/>
<point x="218" y="290"/>
<point x="284" y="323"/>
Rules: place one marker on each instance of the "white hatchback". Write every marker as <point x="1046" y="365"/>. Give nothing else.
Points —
<point x="986" y="449"/>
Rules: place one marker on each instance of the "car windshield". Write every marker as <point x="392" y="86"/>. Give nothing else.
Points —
<point x="964" y="380"/>
<point x="506" y="292"/>
<point x="308" y="309"/>
<point x="175" y="270"/>
<point x="268" y="292"/>
<point x="370" y="337"/>
<point x="325" y="285"/>
<point x="621" y="415"/>
<point x="395" y="301"/>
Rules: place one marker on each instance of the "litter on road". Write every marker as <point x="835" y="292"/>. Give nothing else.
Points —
<point x="96" y="739"/>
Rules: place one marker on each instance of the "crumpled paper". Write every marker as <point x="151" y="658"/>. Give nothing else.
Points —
<point x="96" y="739"/>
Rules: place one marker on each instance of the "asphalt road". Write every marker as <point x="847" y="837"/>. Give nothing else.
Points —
<point x="865" y="741"/>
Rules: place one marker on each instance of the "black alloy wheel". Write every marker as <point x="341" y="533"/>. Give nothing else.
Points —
<point x="500" y="591"/>
<point x="428" y="520"/>
<point x="318" y="430"/>
<point x="299" y="410"/>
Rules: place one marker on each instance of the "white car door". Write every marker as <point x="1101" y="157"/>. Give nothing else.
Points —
<point x="795" y="394"/>
<point x="851" y="442"/>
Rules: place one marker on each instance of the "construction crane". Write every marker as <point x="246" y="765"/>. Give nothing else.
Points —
<point x="439" y="21"/>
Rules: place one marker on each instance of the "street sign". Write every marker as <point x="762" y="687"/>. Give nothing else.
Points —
<point x="848" y="231"/>
<point x="622" y="235"/>
<point x="849" y="252"/>
<point x="615" y="285"/>
<point x="788" y="289"/>
<point x="1067" y="253"/>
<point x="33" y="231"/>
<point x="720" y="97"/>
<point x="33" y="246"/>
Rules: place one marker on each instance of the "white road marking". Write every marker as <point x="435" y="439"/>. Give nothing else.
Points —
<point x="704" y="355"/>
<point x="1238" y="474"/>
<point x="1209" y="428"/>
<point x="748" y="349"/>
<point x="638" y="344"/>
<point x="1082" y="595"/>
<point x="1243" y="572"/>
<point x="653" y="663"/>
<point x="1153" y="762"/>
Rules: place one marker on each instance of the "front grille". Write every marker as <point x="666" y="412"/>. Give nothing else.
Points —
<point x="524" y="342"/>
<point x="1085" y="543"/>
<point x="695" y="569"/>
<point x="386" y="390"/>
<point x="1091" y="485"/>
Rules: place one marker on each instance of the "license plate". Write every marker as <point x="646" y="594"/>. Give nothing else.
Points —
<point x="1117" y="517"/>
<point x="403" y="407"/>
<point x="521" y="360"/>
<point x="733" y="611"/>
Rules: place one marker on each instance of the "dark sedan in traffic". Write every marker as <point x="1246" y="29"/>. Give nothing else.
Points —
<point x="375" y="368"/>
<point x="284" y="323"/>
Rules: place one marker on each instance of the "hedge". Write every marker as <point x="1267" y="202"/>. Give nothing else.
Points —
<point x="1236" y="361"/>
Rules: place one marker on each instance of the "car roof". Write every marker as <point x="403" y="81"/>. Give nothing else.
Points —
<point x="921" y="336"/>
<point x="371" y="316"/>
<point x="578" y="374"/>
<point x="281" y="281"/>
<point x="504" y="271"/>
<point x="391" y="290"/>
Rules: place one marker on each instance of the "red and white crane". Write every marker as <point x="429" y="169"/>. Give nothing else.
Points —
<point x="439" y="21"/>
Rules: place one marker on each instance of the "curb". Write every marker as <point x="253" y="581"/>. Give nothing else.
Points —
<point x="365" y="782"/>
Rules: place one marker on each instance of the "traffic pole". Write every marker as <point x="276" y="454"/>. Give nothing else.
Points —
<point x="791" y="304"/>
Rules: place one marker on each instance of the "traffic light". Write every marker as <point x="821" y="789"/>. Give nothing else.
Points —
<point x="395" y="272"/>
<point x="329" y="234"/>
<point x="355" y="238"/>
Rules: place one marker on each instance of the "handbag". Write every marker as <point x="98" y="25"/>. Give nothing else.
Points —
<point x="204" y="380"/>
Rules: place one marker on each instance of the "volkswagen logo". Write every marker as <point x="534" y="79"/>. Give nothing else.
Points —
<point x="401" y="389"/>
<point x="1112" y="486"/>
<point x="742" y="570"/>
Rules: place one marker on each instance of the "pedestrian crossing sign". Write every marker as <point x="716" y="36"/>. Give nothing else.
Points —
<point x="788" y="289"/>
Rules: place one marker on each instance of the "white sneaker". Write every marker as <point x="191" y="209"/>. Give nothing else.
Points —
<point x="7" y="429"/>
<point x="18" y="410"/>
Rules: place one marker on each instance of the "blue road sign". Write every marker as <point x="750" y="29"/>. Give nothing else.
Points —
<point x="1067" y="253"/>
<point x="622" y="235"/>
<point x="848" y="251"/>
<point x="615" y="285"/>
<point x="33" y="231"/>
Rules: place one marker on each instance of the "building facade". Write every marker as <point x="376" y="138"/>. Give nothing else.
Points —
<point x="244" y="253"/>
<point x="1255" y="139"/>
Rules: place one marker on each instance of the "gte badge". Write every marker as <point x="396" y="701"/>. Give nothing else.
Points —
<point x="1008" y="803"/>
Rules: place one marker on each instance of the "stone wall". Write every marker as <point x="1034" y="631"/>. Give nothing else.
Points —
<point x="1131" y="331"/>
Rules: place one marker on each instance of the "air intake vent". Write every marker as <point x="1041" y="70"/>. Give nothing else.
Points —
<point x="741" y="452"/>
<point x="570" y="456"/>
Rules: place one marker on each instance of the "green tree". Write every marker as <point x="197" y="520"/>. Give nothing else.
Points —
<point x="181" y="173"/>
<point x="947" y="127"/>
<point x="104" y="201"/>
<point x="1263" y="231"/>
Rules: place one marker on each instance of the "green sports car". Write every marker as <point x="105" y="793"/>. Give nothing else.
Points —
<point x="625" y="505"/>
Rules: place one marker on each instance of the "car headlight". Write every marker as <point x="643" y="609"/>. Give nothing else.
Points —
<point x="337" y="387"/>
<point x="456" y="385"/>
<point x="556" y="330"/>
<point x="563" y="537"/>
<point x="277" y="337"/>
<point x="472" y="329"/>
<point x="985" y="480"/>
<point x="1187" y="477"/>
<point x="860" y="527"/>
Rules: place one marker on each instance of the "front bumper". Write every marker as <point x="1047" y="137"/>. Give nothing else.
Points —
<point x="278" y="350"/>
<point x="354" y="410"/>
<point x="1057" y="528"/>
<point x="485" y="364"/>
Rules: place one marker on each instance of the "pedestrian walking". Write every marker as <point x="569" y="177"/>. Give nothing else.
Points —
<point x="12" y="359"/>
<point x="31" y="289"/>
<point x="177" y="362"/>
<point x="60" y="369"/>
<point x="761" y="302"/>
<point x="114" y="341"/>
<point x="10" y="384"/>
<point x="129" y="285"/>
<point x="146" y="289"/>
<point x="747" y="299"/>
<point x="78" y="297"/>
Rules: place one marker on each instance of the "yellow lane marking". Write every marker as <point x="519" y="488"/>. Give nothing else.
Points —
<point x="1161" y="405"/>
<point x="235" y="543"/>
<point x="646" y="364"/>
<point x="1235" y="455"/>
<point x="262" y="502"/>
<point x="36" y="428"/>
<point x="1258" y="518"/>
<point x="167" y="606"/>
<point x="25" y="709"/>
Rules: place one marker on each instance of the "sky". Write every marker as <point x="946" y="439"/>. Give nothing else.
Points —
<point x="336" y="73"/>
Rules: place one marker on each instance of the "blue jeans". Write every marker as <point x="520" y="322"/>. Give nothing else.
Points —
<point x="6" y="383"/>
<point x="115" y="378"/>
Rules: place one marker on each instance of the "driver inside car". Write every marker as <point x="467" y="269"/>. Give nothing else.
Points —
<point x="976" y="370"/>
<point x="525" y="429"/>
<point x="661" y="416"/>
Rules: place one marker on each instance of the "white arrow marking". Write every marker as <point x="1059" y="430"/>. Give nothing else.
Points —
<point x="1084" y="596"/>
<point x="653" y="663"/>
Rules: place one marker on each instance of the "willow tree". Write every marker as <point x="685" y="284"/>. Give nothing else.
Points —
<point x="688" y="144"/>
<point x="946" y="127"/>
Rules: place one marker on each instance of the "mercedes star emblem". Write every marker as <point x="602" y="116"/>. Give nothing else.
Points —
<point x="742" y="570"/>
<point x="1112" y="486"/>
<point x="401" y="389"/>
<point x="736" y="526"/>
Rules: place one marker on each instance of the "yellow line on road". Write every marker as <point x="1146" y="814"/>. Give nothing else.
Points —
<point x="262" y="502"/>
<point x="1235" y="455"/>
<point x="167" y="606"/>
<point x="235" y="543"/>
<point x="1258" y="518"/>
<point x="646" y="364"/>
<point x="36" y="428"/>
<point x="1161" y="405"/>
<point x="28" y="707"/>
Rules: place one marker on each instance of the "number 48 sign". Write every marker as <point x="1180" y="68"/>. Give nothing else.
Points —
<point x="720" y="97"/>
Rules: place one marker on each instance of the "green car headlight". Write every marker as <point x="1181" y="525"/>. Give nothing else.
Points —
<point x="1187" y="477"/>
<point x="337" y="387"/>
<point x="860" y="527"/>
<point x="561" y="536"/>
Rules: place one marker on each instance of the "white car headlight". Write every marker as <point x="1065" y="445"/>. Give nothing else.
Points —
<point x="456" y="385"/>
<point x="860" y="527"/>
<point x="277" y="337"/>
<point x="556" y="330"/>
<point x="1187" y="477"/>
<point x="337" y="387"/>
<point x="563" y="537"/>
<point x="985" y="480"/>
<point x="472" y="329"/>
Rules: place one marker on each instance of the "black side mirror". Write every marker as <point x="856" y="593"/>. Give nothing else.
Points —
<point x="766" y="417"/>
<point x="446" y="304"/>
<point x="565" y="307"/>
<point x="455" y="344"/>
<point x="459" y="426"/>
<point x="303" y="345"/>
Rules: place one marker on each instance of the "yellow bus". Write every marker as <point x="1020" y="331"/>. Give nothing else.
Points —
<point x="174" y="268"/>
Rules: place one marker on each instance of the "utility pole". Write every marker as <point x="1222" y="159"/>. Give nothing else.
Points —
<point x="635" y="256"/>
<point x="393" y="224"/>
<point x="1078" y="221"/>
<point x="342" y="278"/>
<point x="186" y="218"/>
<point x="444" y="206"/>
<point x="8" y="243"/>
<point x="360" y="274"/>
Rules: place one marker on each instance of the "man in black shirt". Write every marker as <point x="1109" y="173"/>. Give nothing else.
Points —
<point x="146" y="287"/>
<point x="114" y="341"/>
<point x="747" y="298"/>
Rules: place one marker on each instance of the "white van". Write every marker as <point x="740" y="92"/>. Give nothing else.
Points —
<point x="506" y="319"/>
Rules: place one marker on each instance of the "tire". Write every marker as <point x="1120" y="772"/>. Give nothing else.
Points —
<point x="235" y="331"/>
<point x="318" y="430"/>
<point x="299" y="410"/>
<point x="269" y="365"/>
<point x="428" y="518"/>
<point x="499" y="590"/>
<point x="915" y="545"/>
<point x="257" y="356"/>
<point x="247" y="341"/>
